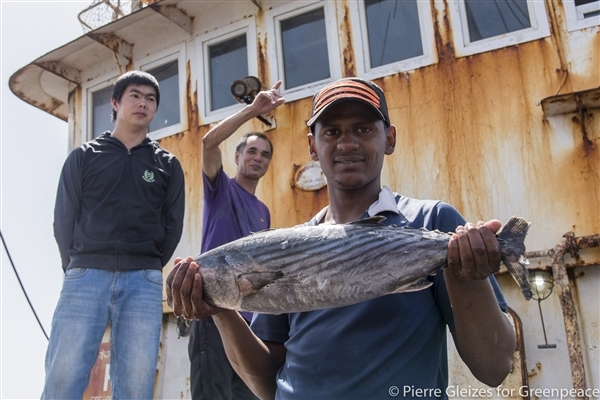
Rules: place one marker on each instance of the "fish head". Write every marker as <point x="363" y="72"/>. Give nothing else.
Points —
<point x="219" y="285"/>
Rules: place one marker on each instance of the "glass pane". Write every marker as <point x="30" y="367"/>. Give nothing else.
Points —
<point x="489" y="18"/>
<point x="393" y="29"/>
<point x="228" y="62"/>
<point x="587" y="8"/>
<point x="102" y="111"/>
<point x="168" y="112"/>
<point x="304" y="44"/>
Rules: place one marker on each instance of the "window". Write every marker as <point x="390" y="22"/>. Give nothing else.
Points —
<point x="102" y="111"/>
<point x="395" y="35"/>
<point x="306" y="45"/>
<point x="485" y="25"/>
<point x="96" y="107"/>
<point x="581" y="13"/>
<point x="304" y="49"/>
<point x="228" y="62"/>
<point x="587" y="9"/>
<point x="228" y="54"/>
<point x="168" y="68"/>
<point x="393" y="31"/>
<point x="168" y="112"/>
<point x="486" y="19"/>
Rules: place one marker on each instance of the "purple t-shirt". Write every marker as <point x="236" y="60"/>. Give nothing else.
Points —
<point x="230" y="213"/>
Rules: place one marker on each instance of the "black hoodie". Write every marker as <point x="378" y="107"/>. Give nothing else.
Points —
<point x="119" y="209"/>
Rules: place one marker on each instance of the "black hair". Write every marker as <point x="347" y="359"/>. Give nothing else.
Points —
<point x="244" y="139"/>
<point x="133" y="78"/>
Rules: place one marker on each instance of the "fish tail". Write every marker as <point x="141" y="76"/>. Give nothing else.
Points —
<point x="512" y="243"/>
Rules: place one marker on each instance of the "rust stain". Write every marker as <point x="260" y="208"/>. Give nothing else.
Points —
<point x="112" y="42"/>
<point x="442" y="34"/>
<point x="263" y="65"/>
<point x="534" y="372"/>
<point x="262" y="50"/>
<point x="349" y="61"/>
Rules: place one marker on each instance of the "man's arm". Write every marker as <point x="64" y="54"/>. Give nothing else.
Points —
<point x="173" y="211"/>
<point x="66" y="207"/>
<point x="483" y="335"/>
<point x="264" y="103"/>
<point x="255" y="361"/>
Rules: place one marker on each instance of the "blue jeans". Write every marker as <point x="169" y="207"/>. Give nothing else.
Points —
<point x="131" y="302"/>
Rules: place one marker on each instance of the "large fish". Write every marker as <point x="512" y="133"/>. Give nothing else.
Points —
<point x="308" y="268"/>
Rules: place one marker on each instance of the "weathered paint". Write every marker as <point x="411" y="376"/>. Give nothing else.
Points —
<point x="471" y="130"/>
<point x="346" y="44"/>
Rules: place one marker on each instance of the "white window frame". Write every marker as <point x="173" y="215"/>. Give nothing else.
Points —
<point x="88" y="89"/>
<point x="361" y="41"/>
<point x="574" y="15"/>
<point x="539" y="29"/>
<point x="247" y="27"/>
<point x="276" y="69"/>
<point x="161" y="58"/>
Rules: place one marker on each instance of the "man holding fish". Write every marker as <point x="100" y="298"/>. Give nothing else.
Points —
<point x="231" y="211"/>
<point x="365" y="350"/>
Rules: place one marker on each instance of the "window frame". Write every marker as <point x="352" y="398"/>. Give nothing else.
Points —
<point x="361" y="41"/>
<point x="161" y="58"/>
<point x="539" y="29"/>
<point x="247" y="27"/>
<point x="276" y="69"/>
<point x="89" y="88"/>
<point x="572" y="15"/>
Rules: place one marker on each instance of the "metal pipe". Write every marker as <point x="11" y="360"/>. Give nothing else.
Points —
<point x="571" y="245"/>
<point x="521" y="350"/>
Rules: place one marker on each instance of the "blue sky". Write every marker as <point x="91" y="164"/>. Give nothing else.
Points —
<point x="33" y="146"/>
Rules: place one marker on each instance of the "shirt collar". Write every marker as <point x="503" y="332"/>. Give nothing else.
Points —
<point x="385" y="202"/>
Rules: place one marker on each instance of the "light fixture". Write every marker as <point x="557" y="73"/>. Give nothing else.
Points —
<point x="245" y="90"/>
<point x="542" y="283"/>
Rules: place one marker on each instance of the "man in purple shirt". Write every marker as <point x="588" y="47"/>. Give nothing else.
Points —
<point x="231" y="211"/>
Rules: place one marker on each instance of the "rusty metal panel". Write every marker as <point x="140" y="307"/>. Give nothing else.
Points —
<point x="470" y="132"/>
<point x="571" y="102"/>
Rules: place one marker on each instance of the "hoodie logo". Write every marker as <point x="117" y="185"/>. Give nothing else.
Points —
<point x="148" y="176"/>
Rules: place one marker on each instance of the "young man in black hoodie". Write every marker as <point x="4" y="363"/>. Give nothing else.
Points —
<point x="117" y="220"/>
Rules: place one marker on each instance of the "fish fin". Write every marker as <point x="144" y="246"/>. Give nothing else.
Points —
<point x="376" y="219"/>
<point x="415" y="287"/>
<point x="251" y="282"/>
<point x="512" y="243"/>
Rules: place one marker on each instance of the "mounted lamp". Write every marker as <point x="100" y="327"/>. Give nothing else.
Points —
<point x="245" y="90"/>
<point x="542" y="283"/>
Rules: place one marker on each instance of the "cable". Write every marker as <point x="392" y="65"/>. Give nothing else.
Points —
<point x="20" y="283"/>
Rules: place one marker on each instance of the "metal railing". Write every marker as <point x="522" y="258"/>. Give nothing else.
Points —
<point x="102" y="12"/>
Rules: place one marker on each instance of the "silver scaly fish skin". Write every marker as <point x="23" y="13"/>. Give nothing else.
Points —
<point x="307" y="268"/>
